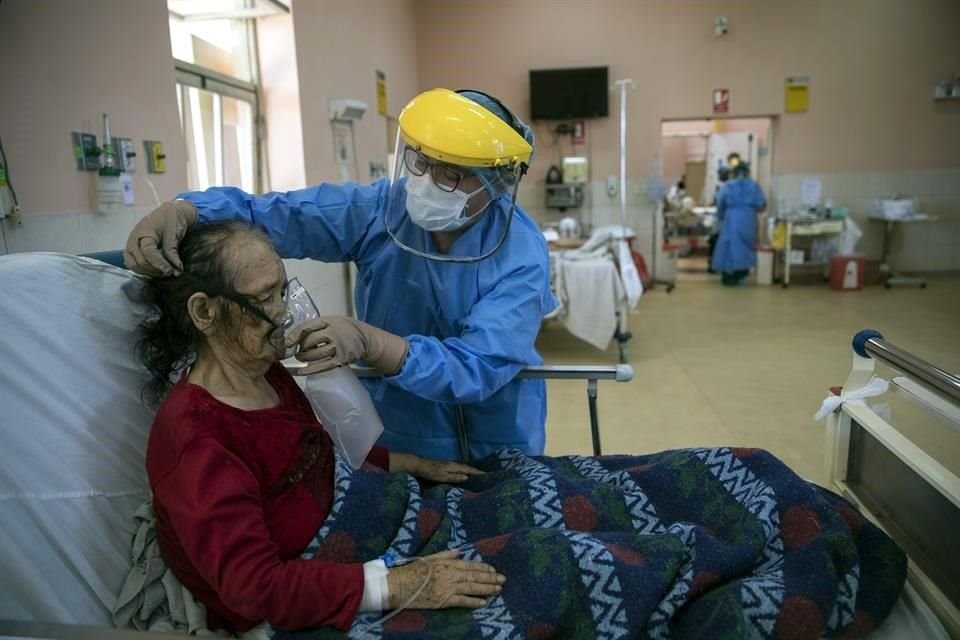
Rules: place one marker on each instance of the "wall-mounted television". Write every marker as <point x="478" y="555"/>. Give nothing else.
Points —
<point x="562" y="94"/>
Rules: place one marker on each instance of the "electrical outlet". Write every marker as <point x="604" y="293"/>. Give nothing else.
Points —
<point x="126" y="156"/>
<point x="612" y="186"/>
<point x="156" y="158"/>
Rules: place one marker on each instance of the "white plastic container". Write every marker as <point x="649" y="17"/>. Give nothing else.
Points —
<point x="896" y="209"/>
<point x="765" y="266"/>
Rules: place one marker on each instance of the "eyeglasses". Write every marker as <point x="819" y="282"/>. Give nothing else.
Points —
<point x="444" y="176"/>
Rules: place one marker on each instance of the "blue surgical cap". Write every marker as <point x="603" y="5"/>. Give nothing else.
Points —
<point x="499" y="180"/>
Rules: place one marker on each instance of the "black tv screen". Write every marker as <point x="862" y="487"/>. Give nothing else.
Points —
<point x="561" y="94"/>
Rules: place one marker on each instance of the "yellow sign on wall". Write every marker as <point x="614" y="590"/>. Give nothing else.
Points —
<point x="798" y="94"/>
<point x="382" y="93"/>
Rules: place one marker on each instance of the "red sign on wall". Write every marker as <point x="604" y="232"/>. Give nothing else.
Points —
<point x="721" y="100"/>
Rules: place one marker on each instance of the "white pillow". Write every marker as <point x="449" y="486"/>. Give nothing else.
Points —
<point x="73" y="434"/>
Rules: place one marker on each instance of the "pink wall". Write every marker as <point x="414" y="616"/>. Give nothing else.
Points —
<point x="675" y="152"/>
<point x="340" y="46"/>
<point x="872" y="63"/>
<point x="57" y="78"/>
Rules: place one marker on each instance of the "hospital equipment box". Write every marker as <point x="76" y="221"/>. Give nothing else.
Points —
<point x="764" y="271"/>
<point x="575" y="170"/>
<point x="846" y="272"/>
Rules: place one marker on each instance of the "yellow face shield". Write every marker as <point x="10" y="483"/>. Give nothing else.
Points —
<point x="455" y="165"/>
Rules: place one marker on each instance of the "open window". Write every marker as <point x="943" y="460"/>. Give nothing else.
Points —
<point x="215" y="54"/>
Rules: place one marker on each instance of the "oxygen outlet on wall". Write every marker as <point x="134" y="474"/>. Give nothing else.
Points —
<point x="109" y="186"/>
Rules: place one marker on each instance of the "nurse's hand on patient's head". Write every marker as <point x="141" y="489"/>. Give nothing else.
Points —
<point x="439" y="471"/>
<point x="152" y="245"/>
<point x="451" y="583"/>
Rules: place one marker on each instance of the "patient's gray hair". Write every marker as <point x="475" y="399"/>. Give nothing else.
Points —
<point x="212" y="256"/>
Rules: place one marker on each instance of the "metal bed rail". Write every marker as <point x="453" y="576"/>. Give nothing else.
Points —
<point x="902" y="486"/>
<point x="591" y="373"/>
<point x="871" y="344"/>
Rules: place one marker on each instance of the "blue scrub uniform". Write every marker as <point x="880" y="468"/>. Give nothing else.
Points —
<point x="471" y="327"/>
<point x="737" y="206"/>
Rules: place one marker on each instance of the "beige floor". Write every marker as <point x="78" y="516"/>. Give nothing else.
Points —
<point x="741" y="366"/>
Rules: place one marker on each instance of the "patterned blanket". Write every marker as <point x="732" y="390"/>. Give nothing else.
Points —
<point x="695" y="543"/>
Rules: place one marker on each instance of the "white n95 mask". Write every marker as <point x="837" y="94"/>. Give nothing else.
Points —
<point x="434" y="209"/>
<point x="345" y="411"/>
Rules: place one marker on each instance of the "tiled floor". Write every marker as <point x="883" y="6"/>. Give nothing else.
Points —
<point x="746" y="366"/>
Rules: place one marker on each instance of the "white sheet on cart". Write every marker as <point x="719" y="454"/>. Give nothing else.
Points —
<point x="613" y="239"/>
<point x="590" y="291"/>
<point x="632" y="284"/>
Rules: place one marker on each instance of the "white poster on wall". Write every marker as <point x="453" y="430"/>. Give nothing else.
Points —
<point x="811" y="190"/>
<point x="343" y="150"/>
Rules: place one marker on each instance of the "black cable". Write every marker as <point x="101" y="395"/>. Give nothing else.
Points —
<point x="6" y="168"/>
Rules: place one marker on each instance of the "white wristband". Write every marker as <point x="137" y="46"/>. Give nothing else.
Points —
<point x="375" y="592"/>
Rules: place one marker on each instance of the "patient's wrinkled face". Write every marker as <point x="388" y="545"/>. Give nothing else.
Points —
<point x="261" y="279"/>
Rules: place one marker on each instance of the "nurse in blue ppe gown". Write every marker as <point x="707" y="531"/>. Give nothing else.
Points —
<point x="468" y="326"/>
<point x="738" y="203"/>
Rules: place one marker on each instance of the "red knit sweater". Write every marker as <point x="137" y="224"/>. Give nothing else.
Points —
<point x="231" y="522"/>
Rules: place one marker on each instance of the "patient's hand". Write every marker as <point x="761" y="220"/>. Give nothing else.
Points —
<point x="452" y="583"/>
<point x="440" y="471"/>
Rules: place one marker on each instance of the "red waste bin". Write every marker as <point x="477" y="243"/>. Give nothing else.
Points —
<point x="846" y="272"/>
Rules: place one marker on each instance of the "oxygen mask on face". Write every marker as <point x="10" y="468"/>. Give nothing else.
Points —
<point x="300" y="309"/>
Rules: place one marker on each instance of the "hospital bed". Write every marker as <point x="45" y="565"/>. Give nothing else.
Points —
<point x="74" y="436"/>
<point x="596" y="286"/>
<point x="690" y="230"/>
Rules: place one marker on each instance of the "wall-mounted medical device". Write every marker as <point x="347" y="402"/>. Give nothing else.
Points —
<point x="347" y="109"/>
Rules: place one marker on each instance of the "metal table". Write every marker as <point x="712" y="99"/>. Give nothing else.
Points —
<point x="891" y="279"/>
<point x="806" y="229"/>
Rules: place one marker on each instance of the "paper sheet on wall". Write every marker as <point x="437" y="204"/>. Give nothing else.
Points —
<point x="126" y="183"/>
<point x="382" y="108"/>
<point x="343" y="150"/>
<point x="798" y="94"/>
<point x="810" y="191"/>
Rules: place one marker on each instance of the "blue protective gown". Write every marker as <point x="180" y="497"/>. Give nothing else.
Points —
<point x="737" y="205"/>
<point x="471" y="327"/>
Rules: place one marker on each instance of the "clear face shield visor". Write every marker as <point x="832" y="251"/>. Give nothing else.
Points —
<point x="429" y="196"/>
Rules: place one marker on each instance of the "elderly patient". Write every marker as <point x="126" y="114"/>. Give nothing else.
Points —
<point x="262" y="520"/>
<point x="241" y="471"/>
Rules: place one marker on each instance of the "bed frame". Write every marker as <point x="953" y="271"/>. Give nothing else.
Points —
<point x="895" y="483"/>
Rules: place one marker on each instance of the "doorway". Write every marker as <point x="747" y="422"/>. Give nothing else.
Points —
<point x="694" y="160"/>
